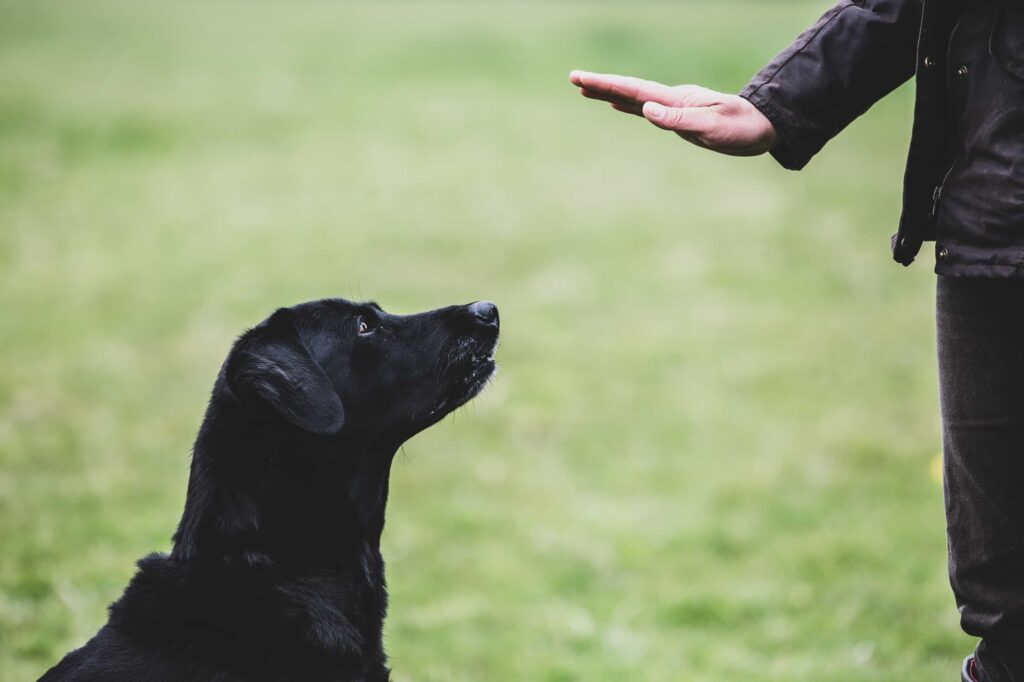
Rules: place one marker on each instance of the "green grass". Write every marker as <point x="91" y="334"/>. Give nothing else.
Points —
<point x="710" y="453"/>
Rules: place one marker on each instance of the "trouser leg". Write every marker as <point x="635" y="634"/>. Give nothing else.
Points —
<point x="980" y="330"/>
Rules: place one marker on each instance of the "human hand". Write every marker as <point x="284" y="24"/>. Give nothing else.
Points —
<point x="723" y="123"/>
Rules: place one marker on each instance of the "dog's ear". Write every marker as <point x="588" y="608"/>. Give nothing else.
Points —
<point x="275" y="366"/>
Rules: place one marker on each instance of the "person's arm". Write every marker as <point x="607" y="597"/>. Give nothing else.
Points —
<point x="856" y="54"/>
<point x="853" y="56"/>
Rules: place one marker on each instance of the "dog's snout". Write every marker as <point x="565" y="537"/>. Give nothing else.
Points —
<point x="484" y="313"/>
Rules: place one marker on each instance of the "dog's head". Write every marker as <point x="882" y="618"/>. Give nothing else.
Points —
<point x="334" y="366"/>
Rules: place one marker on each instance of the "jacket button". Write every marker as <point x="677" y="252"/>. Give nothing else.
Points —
<point x="943" y="254"/>
<point x="929" y="62"/>
<point x="962" y="71"/>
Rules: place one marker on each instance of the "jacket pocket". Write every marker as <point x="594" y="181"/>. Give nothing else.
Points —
<point x="1006" y="44"/>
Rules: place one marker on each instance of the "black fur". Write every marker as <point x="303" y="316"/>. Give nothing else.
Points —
<point x="276" y="572"/>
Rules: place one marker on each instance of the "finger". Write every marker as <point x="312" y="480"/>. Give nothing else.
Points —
<point x="625" y="105"/>
<point x="690" y="120"/>
<point x="634" y="109"/>
<point x="602" y="97"/>
<point x="622" y="87"/>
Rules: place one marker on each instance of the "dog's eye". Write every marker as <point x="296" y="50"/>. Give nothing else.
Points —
<point x="363" y="328"/>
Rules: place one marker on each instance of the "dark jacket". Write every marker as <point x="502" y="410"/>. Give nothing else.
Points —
<point x="964" y="182"/>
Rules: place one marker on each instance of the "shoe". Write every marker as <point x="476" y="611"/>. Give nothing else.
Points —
<point x="967" y="672"/>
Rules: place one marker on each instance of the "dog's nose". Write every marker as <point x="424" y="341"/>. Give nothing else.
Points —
<point x="485" y="313"/>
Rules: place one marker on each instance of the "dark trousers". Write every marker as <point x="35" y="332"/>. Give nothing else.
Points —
<point x="980" y="325"/>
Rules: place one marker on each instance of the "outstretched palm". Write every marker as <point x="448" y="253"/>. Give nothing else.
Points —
<point x="724" y="123"/>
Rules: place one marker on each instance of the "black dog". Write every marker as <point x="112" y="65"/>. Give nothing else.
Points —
<point x="276" y="572"/>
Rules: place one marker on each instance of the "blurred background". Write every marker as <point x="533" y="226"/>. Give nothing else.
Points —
<point x="712" y="449"/>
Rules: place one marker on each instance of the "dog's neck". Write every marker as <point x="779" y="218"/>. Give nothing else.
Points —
<point x="298" y="521"/>
<point x="294" y="502"/>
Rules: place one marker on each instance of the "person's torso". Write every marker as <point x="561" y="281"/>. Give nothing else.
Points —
<point x="978" y="201"/>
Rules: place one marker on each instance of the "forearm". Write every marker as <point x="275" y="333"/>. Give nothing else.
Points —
<point x="854" y="55"/>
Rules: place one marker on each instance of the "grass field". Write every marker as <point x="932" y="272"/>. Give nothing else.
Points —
<point x="711" y="450"/>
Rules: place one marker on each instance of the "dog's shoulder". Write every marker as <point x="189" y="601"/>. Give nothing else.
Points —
<point x="179" y="620"/>
<point x="144" y="636"/>
<point x="234" y="615"/>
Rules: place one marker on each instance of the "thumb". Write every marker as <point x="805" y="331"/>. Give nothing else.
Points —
<point x="690" y="119"/>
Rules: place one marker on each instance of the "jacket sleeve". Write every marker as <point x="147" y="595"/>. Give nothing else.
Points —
<point x="856" y="53"/>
